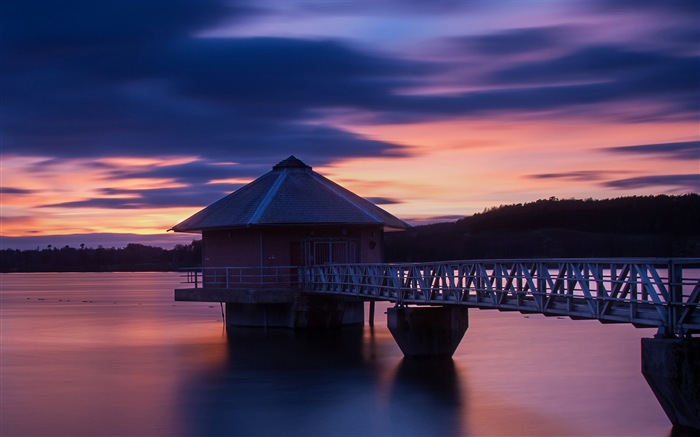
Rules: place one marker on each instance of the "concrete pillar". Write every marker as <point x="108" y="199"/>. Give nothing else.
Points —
<point x="259" y="315"/>
<point x="428" y="331"/>
<point x="304" y="312"/>
<point x="671" y="367"/>
<point x="318" y="312"/>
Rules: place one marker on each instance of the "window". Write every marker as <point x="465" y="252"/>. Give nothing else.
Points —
<point x="334" y="251"/>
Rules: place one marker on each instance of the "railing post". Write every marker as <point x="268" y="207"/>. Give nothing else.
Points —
<point x="675" y="292"/>
<point x="542" y="273"/>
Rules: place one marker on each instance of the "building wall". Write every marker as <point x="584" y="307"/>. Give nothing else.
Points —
<point x="284" y="245"/>
<point x="239" y="247"/>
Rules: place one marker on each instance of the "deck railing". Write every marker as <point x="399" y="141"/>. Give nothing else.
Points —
<point x="242" y="277"/>
<point x="664" y="293"/>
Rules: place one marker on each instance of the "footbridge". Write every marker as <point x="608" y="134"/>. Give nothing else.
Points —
<point x="661" y="293"/>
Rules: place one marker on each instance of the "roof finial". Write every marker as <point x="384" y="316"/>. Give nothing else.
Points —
<point x="291" y="162"/>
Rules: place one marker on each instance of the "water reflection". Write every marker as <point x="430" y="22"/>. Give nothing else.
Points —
<point x="679" y="431"/>
<point x="320" y="383"/>
<point x="426" y="398"/>
<point x="112" y="354"/>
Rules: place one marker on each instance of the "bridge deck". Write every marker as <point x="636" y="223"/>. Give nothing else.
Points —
<point x="663" y="293"/>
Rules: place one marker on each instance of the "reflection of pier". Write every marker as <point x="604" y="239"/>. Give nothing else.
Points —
<point x="314" y="382"/>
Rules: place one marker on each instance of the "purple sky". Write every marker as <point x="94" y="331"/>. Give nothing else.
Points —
<point x="129" y="116"/>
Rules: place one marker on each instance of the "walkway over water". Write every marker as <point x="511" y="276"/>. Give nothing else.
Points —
<point x="662" y="293"/>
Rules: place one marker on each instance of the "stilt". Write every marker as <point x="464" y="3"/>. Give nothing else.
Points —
<point x="428" y="331"/>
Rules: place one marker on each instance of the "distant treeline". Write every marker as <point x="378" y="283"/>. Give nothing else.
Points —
<point x="639" y="226"/>
<point x="648" y="226"/>
<point x="133" y="257"/>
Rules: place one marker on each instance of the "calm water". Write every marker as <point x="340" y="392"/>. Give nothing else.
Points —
<point x="111" y="354"/>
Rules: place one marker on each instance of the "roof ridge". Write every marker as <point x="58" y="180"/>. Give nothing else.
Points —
<point x="343" y="192"/>
<point x="267" y="199"/>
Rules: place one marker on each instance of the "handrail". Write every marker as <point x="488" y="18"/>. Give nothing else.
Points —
<point x="652" y="292"/>
<point x="242" y="277"/>
<point x="660" y="292"/>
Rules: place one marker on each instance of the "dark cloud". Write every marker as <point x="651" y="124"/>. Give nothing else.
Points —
<point x="384" y="200"/>
<point x="689" y="182"/>
<point x="90" y="79"/>
<point x="388" y="7"/>
<point x="273" y="76"/>
<point x="633" y="73"/>
<point x="515" y="41"/>
<point x="153" y="198"/>
<point x="15" y="190"/>
<point x="683" y="182"/>
<point x="76" y="27"/>
<point x="686" y="150"/>
<point x="108" y="203"/>
<point x="194" y="176"/>
<point x="203" y="96"/>
<point x="689" y="9"/>
<point x="204" y="171"/>
<point x="581" y="175"/>
<point x="192" y="173"/>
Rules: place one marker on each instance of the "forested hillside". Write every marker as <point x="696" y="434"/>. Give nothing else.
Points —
<point x="640" y="226"/>
<point x="653" y="226"/>
<point x="133" y="257"/>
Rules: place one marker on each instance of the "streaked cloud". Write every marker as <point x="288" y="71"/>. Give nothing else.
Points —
<point x="517" y="41"/>
<point x="15" y="191"/>
<point x="434" y="109"/>
<point x="689" y="150"/>
<point x="383" y="200"/>
<point x="683" y="183"/>
<point x="580" y="176"/>
<point x="140" y="199"/>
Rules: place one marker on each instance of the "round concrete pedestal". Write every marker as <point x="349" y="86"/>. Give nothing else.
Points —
<point x="428" y="331"/>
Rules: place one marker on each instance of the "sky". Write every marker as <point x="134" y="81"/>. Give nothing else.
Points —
<point x="126" y="117"/>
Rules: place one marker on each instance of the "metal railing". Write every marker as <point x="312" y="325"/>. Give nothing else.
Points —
<point x="242" y="277"/>
<point x="662" y="293"/>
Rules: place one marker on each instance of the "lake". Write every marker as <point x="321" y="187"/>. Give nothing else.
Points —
<point x="111" y="354"/>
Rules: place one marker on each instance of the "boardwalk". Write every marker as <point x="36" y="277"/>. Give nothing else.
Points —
<point x="662" y="293"/>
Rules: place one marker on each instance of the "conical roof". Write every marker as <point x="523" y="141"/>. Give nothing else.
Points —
<point x="291" y="194"/>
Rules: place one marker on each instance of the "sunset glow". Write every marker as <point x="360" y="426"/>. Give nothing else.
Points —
<point x="434" y="111"/>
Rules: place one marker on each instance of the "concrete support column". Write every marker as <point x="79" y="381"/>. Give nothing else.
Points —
<point x="303" y="312"/>
<point x="259" y="315"/>
<point x="672" y="369"/>
<point x="428" y="331"/>
<point x="317" y="312"/>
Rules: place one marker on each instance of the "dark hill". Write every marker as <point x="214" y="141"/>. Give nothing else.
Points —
<point x="639" y="226"/>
